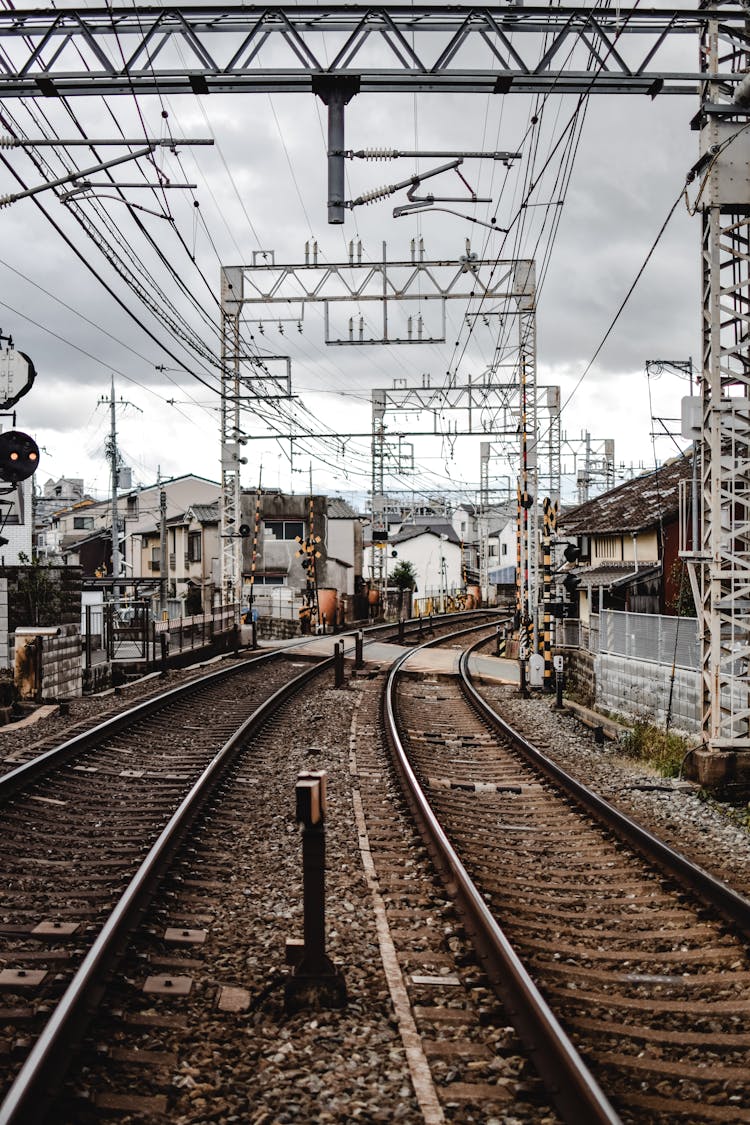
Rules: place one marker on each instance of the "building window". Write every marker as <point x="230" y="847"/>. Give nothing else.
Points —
<point x="132" y="507"/>
<point x="194" y="546"/>
<point x="83" y="523"/>
<point x="504" y="549"/>
<point x="283" y="529"/>
<point x="607" y="547"/>
<point x="155" y="558"/>
<point x="269" y="580"/>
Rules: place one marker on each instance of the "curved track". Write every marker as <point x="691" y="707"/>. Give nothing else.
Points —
<point x="90" y="827"/>
<point x="118" y="800"/>
<point x="625" y="969"/>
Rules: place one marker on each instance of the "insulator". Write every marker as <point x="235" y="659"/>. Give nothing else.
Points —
<point x="379" y="154"/>
<point x="8" y="142"/>
<point x="378" y="193"/>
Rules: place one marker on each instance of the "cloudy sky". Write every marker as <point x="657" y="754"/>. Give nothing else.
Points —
<point x="262" y="186"/>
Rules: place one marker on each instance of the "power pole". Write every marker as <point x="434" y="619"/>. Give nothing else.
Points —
<point x="721" y="560"/>
<point x="114" y="459"/>
<point x="163" y="556"/>
<point x="114" y="467"/>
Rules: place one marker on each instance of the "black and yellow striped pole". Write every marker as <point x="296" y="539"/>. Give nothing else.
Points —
<point x="519" y="570"/>
<point x="549" y="525"/>
<point x="254" y="561"/>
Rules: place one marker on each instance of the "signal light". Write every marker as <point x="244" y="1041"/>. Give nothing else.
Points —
<point x="19" y="456"/>
<point x="244" y="530"/>
<point x="572" y="552"/>
<point x="571" y="582"/>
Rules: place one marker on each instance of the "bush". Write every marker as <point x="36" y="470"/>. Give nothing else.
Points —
<point x="660" y="748"/>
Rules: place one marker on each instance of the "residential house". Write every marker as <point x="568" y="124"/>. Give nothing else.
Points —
<point x="629" y="543"/>
<point x="193" y="556"/>
<point x="85" y="535"/>
<point x="434" y="550"/>
<point x="501" y="553"/>
<point x="54" y="496"/>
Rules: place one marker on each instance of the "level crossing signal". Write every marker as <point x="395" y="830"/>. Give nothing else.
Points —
<point x="19" y="456"/>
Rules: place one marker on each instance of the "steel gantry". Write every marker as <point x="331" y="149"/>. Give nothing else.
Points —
<point x="287" y="48"/>
<point x="266" y="285"/>
<point x="339" y="51"/>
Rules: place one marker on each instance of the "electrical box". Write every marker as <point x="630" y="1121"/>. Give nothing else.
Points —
<point x="727" y="143"/>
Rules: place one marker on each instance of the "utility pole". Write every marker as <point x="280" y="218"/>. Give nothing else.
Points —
<point x="163" y="556"/>
<point x="114" y="459"/>
<point x="116" y="564"/>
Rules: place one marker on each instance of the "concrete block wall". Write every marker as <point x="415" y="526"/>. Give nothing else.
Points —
<point x="277" y="628"/>
<point x="580" y="674"/>
<point x="640" y="690"/>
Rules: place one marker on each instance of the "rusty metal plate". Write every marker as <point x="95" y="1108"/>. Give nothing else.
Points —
<point x="166" y="985"/>
<point x="185" y="937"/>
<point x="22" y="978"/>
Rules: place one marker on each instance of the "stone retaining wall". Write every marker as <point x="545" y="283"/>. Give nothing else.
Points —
<point x="48" y="662"/>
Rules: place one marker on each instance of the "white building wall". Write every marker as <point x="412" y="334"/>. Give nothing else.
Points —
<point x="19" y="535"/>
<point x="425" y="553"/>
<point x="340" y="545"/>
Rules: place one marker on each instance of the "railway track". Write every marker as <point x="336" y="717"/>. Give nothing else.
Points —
<point x="92" y="826"/>
<point x="88" y="828"/>
<point x="190" y="1024"/>
<point x="624" y="965"/>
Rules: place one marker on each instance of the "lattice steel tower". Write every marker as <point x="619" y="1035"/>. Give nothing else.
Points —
<point x="723" y="554"/>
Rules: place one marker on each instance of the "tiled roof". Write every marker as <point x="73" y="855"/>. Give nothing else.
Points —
<point x="338" y="509"/>
<point x="616" y="574"/>
<point x="206" y="513"/>
<point x="636" y="505"/>
<point x="437" y="528"/>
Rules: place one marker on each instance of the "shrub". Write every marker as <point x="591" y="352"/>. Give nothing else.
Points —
<point x="662" y="749"/>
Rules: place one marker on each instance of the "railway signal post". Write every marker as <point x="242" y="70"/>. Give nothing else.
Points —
<point x="315" y="982"/>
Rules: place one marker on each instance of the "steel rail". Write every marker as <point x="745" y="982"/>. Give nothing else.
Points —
<point x="29" y="1098"/>
<point x="733" y="907"/>
<point x="573" y="1089"/>
<point x="20" y="777"/>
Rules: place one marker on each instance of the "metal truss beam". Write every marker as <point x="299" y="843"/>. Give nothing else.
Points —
<point x="278" y="48"/>
<point x="268" y="285"/>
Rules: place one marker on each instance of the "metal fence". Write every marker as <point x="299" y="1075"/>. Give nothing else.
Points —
<point x="128" y="634"/>
<point x="639" y="636"/>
